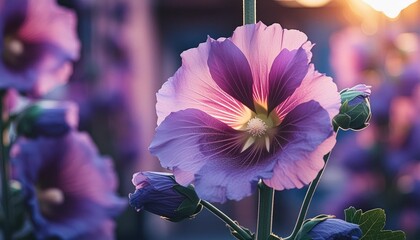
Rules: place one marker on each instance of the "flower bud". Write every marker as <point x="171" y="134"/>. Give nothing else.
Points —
<point x="328" y="228"/>
<point x="47" y="118"/>
<point x="355" y="108"/>
<point x="160" y="194"/>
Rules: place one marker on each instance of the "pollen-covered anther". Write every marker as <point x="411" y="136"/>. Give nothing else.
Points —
<point x="52" y="196"/>
<point x="256" y="127"/>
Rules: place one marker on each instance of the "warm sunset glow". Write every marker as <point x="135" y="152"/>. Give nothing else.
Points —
<point x="391" y="8"/>
<point x="313" y="3"/>
<point x="304" y="3"/>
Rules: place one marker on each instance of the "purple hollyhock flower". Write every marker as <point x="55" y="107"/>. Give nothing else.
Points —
<point x="334" y="229"/>
<point x="68" y="187"/>
<point x="160" y="194"/>
<point x="246" y="108"/>
<point x="38" y="41"/>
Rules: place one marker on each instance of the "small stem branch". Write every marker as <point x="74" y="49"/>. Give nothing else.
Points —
<point x="265" y="211"/>
<point x="232" y="224"/>
<point x="249" y="14"/>
<point x="4" y="172"/>
<point x="307" y="200"/>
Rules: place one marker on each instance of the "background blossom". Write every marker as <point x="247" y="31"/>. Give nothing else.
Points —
<point x="39" y="42"/>
<point x="69" y="188"/>
<point x="377" y="160"/>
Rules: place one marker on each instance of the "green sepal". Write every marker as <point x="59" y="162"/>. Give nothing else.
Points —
<point x="188" y="192"/>
<point x="347" y="95"/>
<point x="26" y="119"/>
<point x="309" y="224"/>
<point x="355" y="118"/>
<point x="190" y="207"/>
<point x="236" y="234"/>
<point x="342" y="120"/>
<point x="372" y="223"/>
<point x="355" y="112"/>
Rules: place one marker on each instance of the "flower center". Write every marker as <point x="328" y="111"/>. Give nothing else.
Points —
<point x="256" y="127"/>
<point x="14" y="46"/>
<point x="48" y="199"/>
<point x="13" y="51"/>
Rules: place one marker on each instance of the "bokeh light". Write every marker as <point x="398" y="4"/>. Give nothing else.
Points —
<point x="390" y="8"/>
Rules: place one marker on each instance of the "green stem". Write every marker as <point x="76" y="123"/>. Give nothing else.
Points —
<point x="4" y="173"/>
<point x="232" y="224"/>
<point x="249" y="14"/>
<point x="307" y="201"/>
<point x="265" y="211"/>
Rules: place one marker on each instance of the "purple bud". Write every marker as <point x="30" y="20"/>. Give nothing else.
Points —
<point x="160" y="194"/>
<point x="47" y="118"/>
<point x="330" y="229"/>
<point x="355" y="112"/>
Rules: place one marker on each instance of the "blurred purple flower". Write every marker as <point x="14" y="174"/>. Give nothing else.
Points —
<point x="352" y="56"/>
<point x="334" y="229"/>
<point x="159" y="194"/>
<point x="69" y="188"/>
<point x="39" y="42"/>
<point x="387" y="60"/>
<point x="47" y="118"/>
<point x="409" y="80"/>
<point x="246" y="108"/>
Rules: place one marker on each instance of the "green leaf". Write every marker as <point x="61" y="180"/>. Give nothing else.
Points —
<point x="372" y="223"/>
<point x="349" y="213"/>
<point x="389" y="235"/>
<point x="353" y="215"/>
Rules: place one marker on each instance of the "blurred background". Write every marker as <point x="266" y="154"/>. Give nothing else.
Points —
<point x="131" y="47"/>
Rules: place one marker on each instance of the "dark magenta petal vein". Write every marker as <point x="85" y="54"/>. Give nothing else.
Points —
<point x="231" y="71"/>
<point x="286" y="74"/>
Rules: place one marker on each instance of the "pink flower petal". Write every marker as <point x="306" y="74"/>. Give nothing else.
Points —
<point x="184" y="138"/>
<point x="96" y="170"/>
<point x="305" y="136"/>
<point x="261" y="45"/>
<point x="46" y="22"/>
<point x="295" y="173"/>
<point x="41" y="43"/>
<point x="299" y="155"/>
<point x="51" y="76"/>
<point x="286" y="74"/>
<point x="315" y="86"/>
<point x="193" y="87"/>
<point x="206" y="152"/>
<point x="69" y="164"/>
